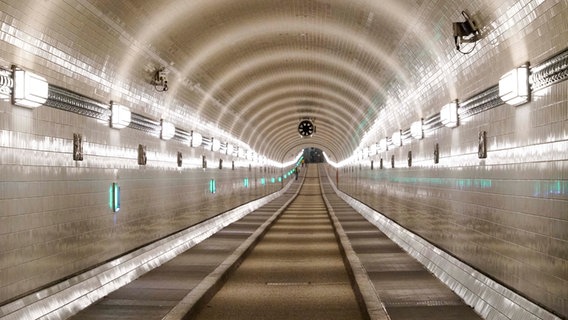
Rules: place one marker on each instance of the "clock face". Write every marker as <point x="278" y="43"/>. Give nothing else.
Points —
<point x="306" y="128"/>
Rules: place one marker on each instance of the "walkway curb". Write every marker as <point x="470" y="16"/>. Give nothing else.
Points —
<point x="367" y="296"/>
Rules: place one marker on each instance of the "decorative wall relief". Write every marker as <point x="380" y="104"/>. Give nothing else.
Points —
<point x="179" y="159"/>
<point x="142" y="159"/>
<point x="77" y="147"/>
<point x="482" y="148"/>
<point x="436" y="153"/>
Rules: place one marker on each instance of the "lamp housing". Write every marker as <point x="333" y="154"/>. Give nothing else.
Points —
<point x="242" y="153"/>
<point x="383" y="144"/>
<point x="449" y="114"/>
<point x="396" y="138"/>
<point x="514" y="86"/>
<point x="168" y="130"/>
<point x="30" y="90"/>
<point x="416" y="130"/>
<point x="373" y="149"/>
<point x="120" y="116"/>
<point x="215" y="145"/>
<point x="196" y="139"/>
<point x="230" y="149"/>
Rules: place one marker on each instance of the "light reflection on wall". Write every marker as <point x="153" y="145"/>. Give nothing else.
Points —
<point x="549" y="188"/>
<point x="449" y="182"/>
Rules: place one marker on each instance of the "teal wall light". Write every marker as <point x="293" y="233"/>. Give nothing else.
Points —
<point x="114" y="197"/>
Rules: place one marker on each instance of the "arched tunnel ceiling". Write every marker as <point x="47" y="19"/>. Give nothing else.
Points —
<point x="261" y="66"/>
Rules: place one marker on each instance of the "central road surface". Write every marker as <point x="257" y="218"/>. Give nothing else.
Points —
<point x="295" y="272"/>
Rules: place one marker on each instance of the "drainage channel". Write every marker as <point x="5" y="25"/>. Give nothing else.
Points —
<point x="295" y="272"/>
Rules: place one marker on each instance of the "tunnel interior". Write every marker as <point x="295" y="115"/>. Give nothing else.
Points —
<point x="124" y="122"/>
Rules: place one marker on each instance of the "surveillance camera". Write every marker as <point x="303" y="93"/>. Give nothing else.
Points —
<point x="465" y="32"/>
<point x="162" y="75"/>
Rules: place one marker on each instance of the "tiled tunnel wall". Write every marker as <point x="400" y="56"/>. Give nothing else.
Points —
<point x="506" y="215"/>
<point x="55" y="219"/>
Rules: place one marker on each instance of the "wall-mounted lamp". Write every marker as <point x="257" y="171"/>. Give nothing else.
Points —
<point x="396" y="138"/>
<point x="242" y="153"/>
<point x="514" y="86"/>
<point x="373" y="149"/>
<point x="383" y="144"/>
<point x="120" y="116"/>
<point x="416" y="130"/>
<point x="196" y="139"/>
<point x="250" y="155"/>
<point x="230" y="149"/>
<point x="449" y="114"/>
<point x="114" y="197"/>
<point x="168" y="130"/>
<point x="30" y="90"/>
<point x="215" y="145"/>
